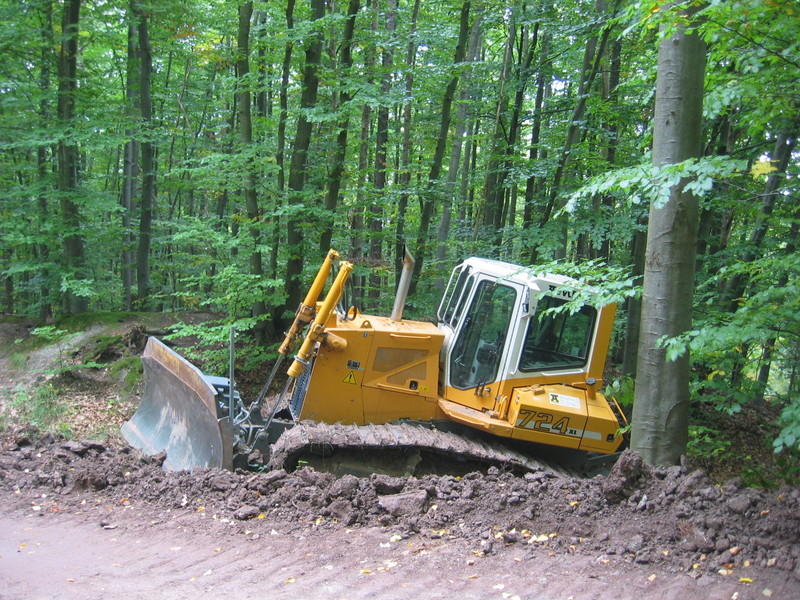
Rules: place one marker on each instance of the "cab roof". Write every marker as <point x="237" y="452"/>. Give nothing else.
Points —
<point x="528" y="276"/>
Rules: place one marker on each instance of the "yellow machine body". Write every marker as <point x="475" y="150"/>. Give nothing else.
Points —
<point x="373" y="369"/>
<point x="387" y="371"/>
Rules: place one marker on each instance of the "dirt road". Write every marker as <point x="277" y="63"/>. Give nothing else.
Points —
<point x="101" y="552"/>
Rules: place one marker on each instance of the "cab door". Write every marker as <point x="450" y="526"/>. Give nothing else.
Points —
<point x="478" y="350"/>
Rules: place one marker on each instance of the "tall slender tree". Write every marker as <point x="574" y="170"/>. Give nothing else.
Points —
<point x="340" y="152"/>
<point x="432" y="191"/>
<point x="68" y="155"/>
<point x="376" y="208"/>
<point x="130" y="163"/>
<point x="148" y="163"/>
<point x="254" y="214"/>
<point x="299" y="163"/>
<point x="661" y="406"/>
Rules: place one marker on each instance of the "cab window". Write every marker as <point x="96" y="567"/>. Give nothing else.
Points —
<point x="557" y="340"/>
<point x="455" y="296"/>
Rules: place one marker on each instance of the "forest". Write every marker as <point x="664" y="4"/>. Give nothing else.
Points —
<point x="205" y="154"/>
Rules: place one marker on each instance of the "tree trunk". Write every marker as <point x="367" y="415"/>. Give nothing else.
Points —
<point x="130" y="167"/>
<point x="297" y="169"/>
<point x="595" y="49"/>
<point x="381" y="160"/>
<point x="455" y="158"/>
<point x="432" y="190"/>
<point x="357" y="216"/>
<point x="284" y="98"/>
<point x="263" y="100"/>
<point x="633" y="307"/>
<point x="493" y="187"/>
<point x="661" y="407"/>
<point x="73" y="242"/>
<point x="337" y="168"/>
<point x="784" y="144"/>
<point x="769" y="346"/>
<point x="534" y="183"/>
<point x="244" y="101"/>
<point x="283" y="116"/>
<point x="148" y="166"/>
<point x="42" y="163"/>
<point x="735" y="289"/>
<point x="610" y="126"/>
<point x="404" y="176"/>
<point x="8" y="285"/>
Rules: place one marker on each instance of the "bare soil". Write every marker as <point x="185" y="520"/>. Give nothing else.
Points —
<point x="94" y="519"/>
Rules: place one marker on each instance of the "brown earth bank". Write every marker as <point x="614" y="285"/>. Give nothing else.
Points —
<point x="89" y="519"/>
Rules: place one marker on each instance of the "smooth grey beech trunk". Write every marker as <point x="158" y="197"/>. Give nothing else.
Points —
<point x="660" y="412"/>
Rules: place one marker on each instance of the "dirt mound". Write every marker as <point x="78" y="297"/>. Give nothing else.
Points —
<point x="668" y="517"/>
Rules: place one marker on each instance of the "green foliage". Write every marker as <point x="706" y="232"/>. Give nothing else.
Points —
<point x="707" y="442"/>
<point x="788" y="439"/>
<point x="129" y="370"/>
<point x="50" y="334"/>
<point x="785" y="471"/>
<point x="645" y="183"/>
<point x="596" y="283"/>
<point x="210" y="347"/>
<point x="621" y="389"/>
<point x="84" y="288"/>
<point x="724" y="342"/>
<point x="596" y="189"/>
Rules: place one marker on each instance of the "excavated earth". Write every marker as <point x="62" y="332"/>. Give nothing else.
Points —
<point x="88" y="519"/>
<point x="638" y="532"/>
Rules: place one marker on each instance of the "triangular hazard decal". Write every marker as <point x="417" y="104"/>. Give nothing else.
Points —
<point x="350" y="378"/>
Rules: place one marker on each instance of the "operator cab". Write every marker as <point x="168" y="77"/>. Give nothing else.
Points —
<point x="503" y="330"/>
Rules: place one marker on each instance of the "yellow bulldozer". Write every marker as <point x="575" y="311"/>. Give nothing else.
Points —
<point x="503" y="370"/>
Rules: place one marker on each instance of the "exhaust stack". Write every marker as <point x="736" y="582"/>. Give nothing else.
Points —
<point x="402" y="287"/>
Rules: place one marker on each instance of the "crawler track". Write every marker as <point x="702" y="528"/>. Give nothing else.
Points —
<point x="307" y="439"/>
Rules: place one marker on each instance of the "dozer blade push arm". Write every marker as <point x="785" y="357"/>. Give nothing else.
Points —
<point x="304" y="315"/>
<point x="305" y="312"/>
<point x="315" y="333"/>
<point x="317" y="328"/>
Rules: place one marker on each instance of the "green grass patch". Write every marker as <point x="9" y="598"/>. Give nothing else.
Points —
<point x="18" y="360"/>
<point x="129" y="371"/>
<point x="43" y="407"/>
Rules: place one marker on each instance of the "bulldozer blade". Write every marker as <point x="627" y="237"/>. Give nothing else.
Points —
<point x="178" y="414"/>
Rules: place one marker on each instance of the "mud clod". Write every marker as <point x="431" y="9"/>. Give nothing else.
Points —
<point x="246" y="512"/>
<point x="384" y="484"/>
<point x="627" y="476"/>
<point x="405" y="503"/>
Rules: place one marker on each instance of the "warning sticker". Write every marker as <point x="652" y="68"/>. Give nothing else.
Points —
<point x="350" y="378"/>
